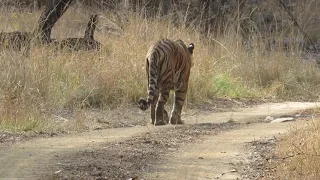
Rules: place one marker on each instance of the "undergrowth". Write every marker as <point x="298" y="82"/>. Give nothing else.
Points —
<point x="34" y="86"/>
<point x="299" y="151"/>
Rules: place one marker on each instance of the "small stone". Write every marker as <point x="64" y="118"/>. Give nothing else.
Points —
<point x="269" y="118"/>
<point x="57" y="172"/>
<point x="233" y="170"/>
<point x="285" y="119"/>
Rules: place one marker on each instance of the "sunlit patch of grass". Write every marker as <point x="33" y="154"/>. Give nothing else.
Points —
<point x="20" y="119"/>
<point x="223" y="85"/>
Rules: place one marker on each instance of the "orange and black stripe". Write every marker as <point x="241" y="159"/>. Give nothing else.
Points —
<point x="168" y="65"/>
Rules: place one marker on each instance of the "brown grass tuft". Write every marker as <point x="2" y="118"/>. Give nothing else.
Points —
<point x="300" y="150"/>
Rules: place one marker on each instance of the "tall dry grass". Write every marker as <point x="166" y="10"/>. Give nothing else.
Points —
<point x="300" y="151"/>
<point x="32" y="87"/>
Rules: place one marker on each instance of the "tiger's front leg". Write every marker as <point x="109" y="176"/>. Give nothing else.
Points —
<point x="179" y="97"/>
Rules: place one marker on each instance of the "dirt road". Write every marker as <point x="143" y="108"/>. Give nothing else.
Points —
<point x="210" y="159"/>
<point x="216" y="156"/>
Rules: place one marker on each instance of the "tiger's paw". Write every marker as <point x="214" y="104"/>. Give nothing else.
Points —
<point x="160" y="123"/>
<point x="176" y="119"/>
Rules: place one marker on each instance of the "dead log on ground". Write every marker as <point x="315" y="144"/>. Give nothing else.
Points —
<point x="86" y="43"/>
<point x="18" y="40"/>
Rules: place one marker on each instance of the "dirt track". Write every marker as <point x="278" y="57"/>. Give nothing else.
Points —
<point x="210" y="159"/>
<point x="216" y="156"/>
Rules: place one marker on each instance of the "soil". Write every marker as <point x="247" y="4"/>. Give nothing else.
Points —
<point x="209" y="146"/>
<point x="261" y="160"/>
<point x="123" y="116"/>
<point x="9" y="138"/>
<point x="133" y="157"/>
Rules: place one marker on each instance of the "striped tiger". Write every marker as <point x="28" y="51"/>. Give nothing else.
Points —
<point x="16" y="41"/>
<point x="168" y="65"/>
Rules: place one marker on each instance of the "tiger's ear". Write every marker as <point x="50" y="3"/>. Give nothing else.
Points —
<point x="190" y="48"/>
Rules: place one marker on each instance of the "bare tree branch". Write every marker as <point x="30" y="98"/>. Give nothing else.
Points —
<point x="295" y="23"/>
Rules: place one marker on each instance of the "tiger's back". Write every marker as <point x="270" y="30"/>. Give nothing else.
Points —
<point x="168" y="65"/>
<point x="171" y="62"/>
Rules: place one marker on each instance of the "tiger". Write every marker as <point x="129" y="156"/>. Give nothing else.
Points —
<point x="168" y="65"/>
<point x="16" y="41"/>
<point x="86" y="43"/>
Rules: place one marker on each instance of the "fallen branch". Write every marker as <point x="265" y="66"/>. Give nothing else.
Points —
<point x="85" y="43"/>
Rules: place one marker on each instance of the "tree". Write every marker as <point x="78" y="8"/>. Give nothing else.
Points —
<point x="53" y="11"/>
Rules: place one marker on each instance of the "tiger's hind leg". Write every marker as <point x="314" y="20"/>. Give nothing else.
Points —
<point x="179" y="97"/>
<point x="153" y="106"/>
<point x="162" y="117"/>
<point x="153" y="110"/>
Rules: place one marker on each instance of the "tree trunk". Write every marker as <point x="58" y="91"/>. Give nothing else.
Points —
<point x="53" y="11"/>
<point x="206" y="5"/>
<point x="165" y="7"/>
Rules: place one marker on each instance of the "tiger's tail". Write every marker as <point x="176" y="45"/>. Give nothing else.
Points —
<point x="152" y="82"/>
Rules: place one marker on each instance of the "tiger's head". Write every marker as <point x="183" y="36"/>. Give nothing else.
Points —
<point x="190" y="49"/>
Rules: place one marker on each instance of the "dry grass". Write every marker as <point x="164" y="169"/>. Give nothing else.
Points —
<point x="301" y="152"/>
<point x="32" y="87"/>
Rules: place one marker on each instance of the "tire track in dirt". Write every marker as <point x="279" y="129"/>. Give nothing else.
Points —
<point x="31" y="159"/>
<point x="216" y="156"/>
<point x="209" y="159"/>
